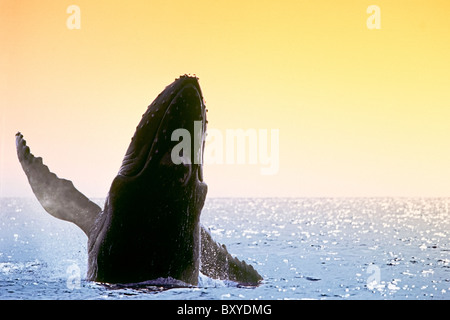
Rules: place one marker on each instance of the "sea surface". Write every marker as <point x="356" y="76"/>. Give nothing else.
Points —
<point x="305" y="248"/>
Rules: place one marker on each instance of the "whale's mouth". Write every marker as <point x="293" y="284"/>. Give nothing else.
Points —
<point x="179" y="106"/>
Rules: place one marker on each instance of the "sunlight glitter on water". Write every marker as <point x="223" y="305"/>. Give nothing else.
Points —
<point x="318" y="248"/>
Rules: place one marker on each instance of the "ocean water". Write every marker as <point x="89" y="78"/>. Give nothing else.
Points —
<point x="305" y="248"/>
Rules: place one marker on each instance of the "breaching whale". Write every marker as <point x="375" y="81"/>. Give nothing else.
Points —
<point x="150" y="226"/>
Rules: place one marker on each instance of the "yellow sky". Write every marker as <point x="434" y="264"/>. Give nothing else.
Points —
<point x="360" y="112"/>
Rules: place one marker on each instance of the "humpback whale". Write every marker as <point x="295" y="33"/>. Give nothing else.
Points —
<point x="150" y="226"/>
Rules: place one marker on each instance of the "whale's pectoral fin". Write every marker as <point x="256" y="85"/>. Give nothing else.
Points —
<point x="58" y="196"/>
<point x="217" y="263"/>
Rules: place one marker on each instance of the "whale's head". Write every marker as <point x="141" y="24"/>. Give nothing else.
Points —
<point x="165" y="156"/>
<point x="158" y="193"/>
<point x="177" y="115"/>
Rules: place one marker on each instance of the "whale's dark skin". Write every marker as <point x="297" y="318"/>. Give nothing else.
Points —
<point x="150" y="225"/>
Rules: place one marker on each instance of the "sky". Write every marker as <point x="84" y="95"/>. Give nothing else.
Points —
<point x="357" y="105"/>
